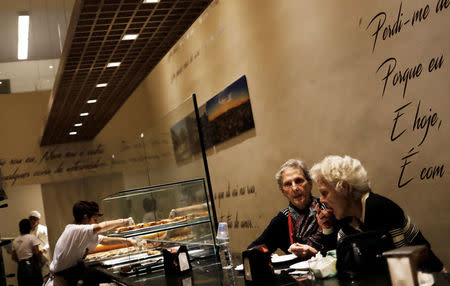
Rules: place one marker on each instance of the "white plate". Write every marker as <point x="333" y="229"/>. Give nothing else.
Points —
<point x="240" y="267"/>
<point x="299" y="272"/>
<point x="302" y="265"/>
<point x="283" y="258"/>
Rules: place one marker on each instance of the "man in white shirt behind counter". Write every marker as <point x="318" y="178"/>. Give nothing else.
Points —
<point x="75" y="241"/>
<point x="40" y="231"/>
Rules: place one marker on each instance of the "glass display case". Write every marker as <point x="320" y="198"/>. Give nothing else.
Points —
<point x="167" y="193"/>
<point x="165" y="216"/>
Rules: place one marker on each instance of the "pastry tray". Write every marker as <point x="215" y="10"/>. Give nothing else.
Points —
<point x="160" y="227"/>
<point x="125" y="259"/>
<point x="135" y="255"/>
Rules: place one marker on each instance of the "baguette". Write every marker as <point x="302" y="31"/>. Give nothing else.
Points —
<point x="152" y="223"/>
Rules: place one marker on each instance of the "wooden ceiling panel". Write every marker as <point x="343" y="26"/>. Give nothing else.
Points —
<point x="94" y="39"/>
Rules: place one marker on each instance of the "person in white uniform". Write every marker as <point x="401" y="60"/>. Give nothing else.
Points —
<point x="75" y="241"/>
<point x="40" y="231"/>
<point x="26" y="253"/>
<point x="149" y="205"/>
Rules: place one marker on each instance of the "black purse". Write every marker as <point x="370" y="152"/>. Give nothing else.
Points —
<point x="360" y="254"/>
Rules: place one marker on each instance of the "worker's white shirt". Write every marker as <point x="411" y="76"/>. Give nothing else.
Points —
<point x="41" y="233"/>
<point x="23" y="245"/>
<point x="72" y="245"/>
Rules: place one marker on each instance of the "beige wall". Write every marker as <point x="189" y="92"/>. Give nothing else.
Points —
<point x="314" y="91"/>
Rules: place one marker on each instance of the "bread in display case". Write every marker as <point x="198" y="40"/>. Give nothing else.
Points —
<point x="165" y="216"/>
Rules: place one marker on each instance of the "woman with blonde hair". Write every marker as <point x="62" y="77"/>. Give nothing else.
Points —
<point x="345" y="189"/>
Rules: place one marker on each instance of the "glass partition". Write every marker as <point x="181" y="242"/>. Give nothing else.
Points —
<point x="170" y="152"/>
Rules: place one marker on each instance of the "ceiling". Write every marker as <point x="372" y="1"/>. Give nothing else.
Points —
<point x="94" y="39"/>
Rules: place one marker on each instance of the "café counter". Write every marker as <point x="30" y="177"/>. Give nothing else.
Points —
<point x="209" y="272"/>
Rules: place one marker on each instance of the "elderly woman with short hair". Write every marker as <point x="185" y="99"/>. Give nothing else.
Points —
<point x="298" y="228"/>
<point x="345" y="189"/>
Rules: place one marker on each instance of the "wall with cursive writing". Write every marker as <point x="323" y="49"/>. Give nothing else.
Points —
<point x="367" y="79"/>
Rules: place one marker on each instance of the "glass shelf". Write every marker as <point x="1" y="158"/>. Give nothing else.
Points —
<point x="161" y="227"/>
<point x="168" y="214"/>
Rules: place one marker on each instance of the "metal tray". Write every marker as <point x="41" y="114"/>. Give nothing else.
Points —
<point x="137" y="253"/>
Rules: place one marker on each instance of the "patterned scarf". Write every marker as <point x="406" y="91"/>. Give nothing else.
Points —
<point x="305" y="224"/>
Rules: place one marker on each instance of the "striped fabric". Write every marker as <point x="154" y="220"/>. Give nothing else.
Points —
<point x="404" y="235"/>
<point x="306" y="228"/>
<point x="382" y="214"/>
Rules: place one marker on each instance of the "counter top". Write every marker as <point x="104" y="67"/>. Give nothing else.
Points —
<point x="209" y="272"/>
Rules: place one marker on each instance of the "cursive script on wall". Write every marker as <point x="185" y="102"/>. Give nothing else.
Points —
<point x="424" y="120"/>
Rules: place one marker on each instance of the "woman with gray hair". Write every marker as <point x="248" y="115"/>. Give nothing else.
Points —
<point x="345" y="189"/>
<point x="297" y="228"/>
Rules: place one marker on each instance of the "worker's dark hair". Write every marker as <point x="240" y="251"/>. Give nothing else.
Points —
<point x="25" y="226"/>
<point x="82" y="208"/>
<point x="149" y="204"/>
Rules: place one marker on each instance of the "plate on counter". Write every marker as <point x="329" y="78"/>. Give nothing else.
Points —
<point x="302" y="265"/>
<point x="283" y="258"/>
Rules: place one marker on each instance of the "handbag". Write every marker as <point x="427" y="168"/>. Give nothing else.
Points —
<point x="360" y="254"/>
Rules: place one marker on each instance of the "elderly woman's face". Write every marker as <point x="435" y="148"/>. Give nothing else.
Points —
<point x="296" y="188"/>
<point x="334" y="200"/>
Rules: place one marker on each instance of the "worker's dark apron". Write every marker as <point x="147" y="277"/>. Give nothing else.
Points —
<point x="29" y="272"/>
<point x="67" y="277"/>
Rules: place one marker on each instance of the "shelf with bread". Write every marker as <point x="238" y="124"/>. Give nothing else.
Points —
<point x="115" y="254"/>
<point x="149" y="228"/>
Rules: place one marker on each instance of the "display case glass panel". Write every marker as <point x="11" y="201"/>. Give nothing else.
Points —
<point x="165" y="215"/>
<point x="166" y="192"/>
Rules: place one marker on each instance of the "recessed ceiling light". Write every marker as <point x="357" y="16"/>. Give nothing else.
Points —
<point x="101" y="85"/>
<point x="113" y="64"/>
<point x="92" y="101"/>
<point x="78" y="124"/>
<point x="129" y="37"/>
<point x="151" y="1"/>
<point x="142" y="135"/>
<point x="73" y="133"/>
<point x="22" y="44"/>
<point x="84" y="114"/>
<point x="50" y="67"/>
